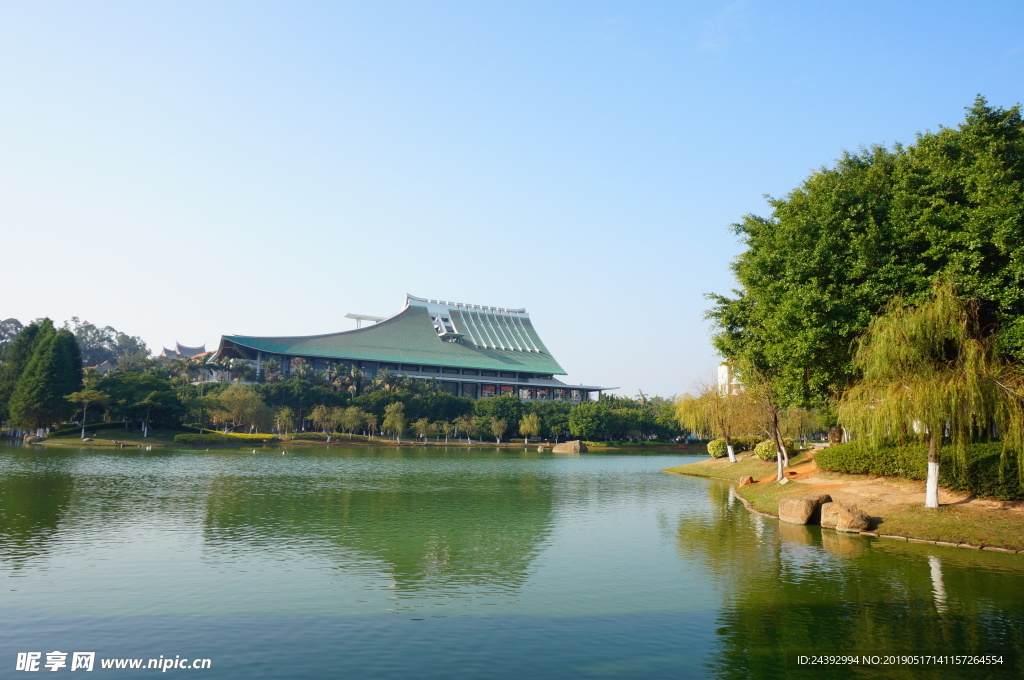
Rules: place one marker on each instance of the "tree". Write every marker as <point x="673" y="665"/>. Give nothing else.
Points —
<point x="446" y="426"/>
<point x="464" y="423"/>
<point x="394" y="420"/>
<point x="715" y="415"/>
<point x="371" y="423"/>
<point x="932" y="368"/>
<point x="103" y="344"/>
<point x="85" y="398"/>
<point x="17" y="356"/>
<point x="284" y="419"/>
<point x="498" y="427"/>
<point x="9" y="329"/>
<point x="353" y="419"/>
<point x="270" y="370"/>
<point x="880" y="224"/>
<point x="424" y="428"/>
<point x="242" y="403"/>
<point x="529" y="426"/>
<point x="588" y="420"/>
<point x="53" y="372"/>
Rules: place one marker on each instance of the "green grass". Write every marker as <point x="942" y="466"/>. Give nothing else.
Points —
<point x="950" y="523"/>
<point x="747" y="465"/>
<point x="106" y="438"/>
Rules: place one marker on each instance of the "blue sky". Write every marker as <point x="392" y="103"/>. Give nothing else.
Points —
<point x="185" y="170"/>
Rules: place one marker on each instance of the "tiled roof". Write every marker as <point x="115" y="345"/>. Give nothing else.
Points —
<point x="507" y="342"/>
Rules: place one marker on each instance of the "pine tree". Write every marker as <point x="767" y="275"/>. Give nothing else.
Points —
<point x="53" y="372"/>
<point x="19" y="353"/>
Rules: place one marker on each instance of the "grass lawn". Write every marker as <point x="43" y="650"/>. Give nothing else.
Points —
<point x="106" y="438"/>
<point x="747" y="465"/>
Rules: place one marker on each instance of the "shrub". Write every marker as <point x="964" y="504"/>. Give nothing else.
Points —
<point x="741" y="444"/>
<point x="980" y="476"/>
<point x="765" y="450"/>
<point x="717" y="448"/>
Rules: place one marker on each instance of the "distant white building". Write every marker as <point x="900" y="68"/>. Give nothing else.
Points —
<point x="728" y="382"/>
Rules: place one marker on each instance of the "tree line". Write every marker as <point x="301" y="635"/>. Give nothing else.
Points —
<point x="42" y="382"/>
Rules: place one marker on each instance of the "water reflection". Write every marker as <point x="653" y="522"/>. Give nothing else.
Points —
<point x="426" y="527"/>
<point x="790" y="590"/>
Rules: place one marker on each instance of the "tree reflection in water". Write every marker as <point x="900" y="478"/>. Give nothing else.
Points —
<point x="789" y="590"/>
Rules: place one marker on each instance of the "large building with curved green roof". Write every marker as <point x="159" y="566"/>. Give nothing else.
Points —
<point x="471" y="350"/>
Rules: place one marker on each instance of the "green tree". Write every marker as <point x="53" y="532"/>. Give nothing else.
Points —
<point x="242" y="404"/>
<point x="85" y="399"/>
<point x="529" y="426"/>
<point x="353" y="419"/>
<point x="713" y="415"/>
<point x="446" y="426"/>
<point x="53" y="372"/>
<point x="424" y="428"/>
<point x="464" y="423"/>
<point x="16" y="357"/>
<point x="284" y="419"/>
<point x="498" y="427"/>
<point x="880" y="224"/>
<point x="931" y="368"/>
<point x="394" y="420"/>
<point x="589" y="420"/>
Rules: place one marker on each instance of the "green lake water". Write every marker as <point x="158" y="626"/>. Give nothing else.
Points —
<point x="465" y="563"/>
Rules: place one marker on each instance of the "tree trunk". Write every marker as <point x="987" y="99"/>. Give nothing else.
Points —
<point x="729" y="449"/>
<point x="931" y="494"/>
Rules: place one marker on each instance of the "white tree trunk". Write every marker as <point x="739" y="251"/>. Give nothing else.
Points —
<point x="931" y="494"/>
<point x="732" y="453"/>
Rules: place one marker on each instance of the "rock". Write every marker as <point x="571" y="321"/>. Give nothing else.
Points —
<point x="843" y="517"/>
<point x="783" y="481"/>
<point x="746" y="480"/>
<point x="540" y="449"/>
<point x="31" y="439"/>
<point x="797" y="510"/>
<point x="575" y="446"/>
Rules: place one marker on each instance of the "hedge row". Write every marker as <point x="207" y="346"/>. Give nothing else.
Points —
<point x="981" y="476"/>
<point x="717" y="447"/>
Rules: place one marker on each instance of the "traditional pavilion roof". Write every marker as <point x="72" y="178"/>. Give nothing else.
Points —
<point x="427" y="332"/>
<point x="183" y="351"/>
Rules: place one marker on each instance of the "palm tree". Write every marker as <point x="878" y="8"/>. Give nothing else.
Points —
<point x="271" y="368"/>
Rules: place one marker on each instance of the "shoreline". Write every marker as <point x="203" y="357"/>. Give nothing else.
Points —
<point x="1000" y="529"/>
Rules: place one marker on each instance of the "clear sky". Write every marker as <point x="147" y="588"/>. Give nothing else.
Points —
<point x="182" y="170"/>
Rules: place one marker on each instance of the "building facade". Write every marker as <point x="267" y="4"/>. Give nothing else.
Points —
<point x="470" y="350"/>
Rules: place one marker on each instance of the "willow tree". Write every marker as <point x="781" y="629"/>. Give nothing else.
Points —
<point x="712" y="413"/>
<point x="932" y="369"/>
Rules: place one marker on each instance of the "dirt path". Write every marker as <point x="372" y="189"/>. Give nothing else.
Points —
<point x="877" y="495"/>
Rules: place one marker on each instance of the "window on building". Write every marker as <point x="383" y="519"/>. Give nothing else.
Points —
<point x="526" y="393"/>
<point x="430" y="369"/>
<point x="470" y="371"/>
<point x="469" y="390"/>
<point x="450" y="371"/>
<point x="506" y="389"/>
<point x="543" y="394"/>
<point x="489" y="374"/>
<point x="486" y="391"/>
<point x="410" y="368"/>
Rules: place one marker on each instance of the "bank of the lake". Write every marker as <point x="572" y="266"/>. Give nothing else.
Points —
<point x="897" y="505"/>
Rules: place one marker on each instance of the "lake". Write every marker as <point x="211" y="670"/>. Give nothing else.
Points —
<point x="424" y="562"/>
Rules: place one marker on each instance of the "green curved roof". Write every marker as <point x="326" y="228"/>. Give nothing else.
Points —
<point x="409" y="337"/>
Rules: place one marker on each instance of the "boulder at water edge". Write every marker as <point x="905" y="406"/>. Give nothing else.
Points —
<point x="796" y="510"/>
<point x="575" y="446"/>
<point x="844" y="517"/>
